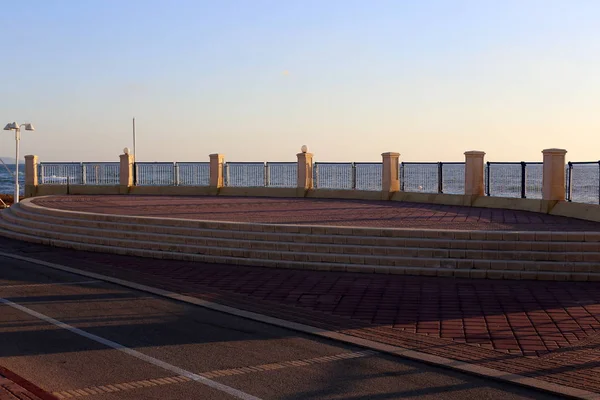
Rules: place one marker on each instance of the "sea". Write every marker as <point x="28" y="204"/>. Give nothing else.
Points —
<point x="7" y="180"/>
<point x="504" y="179"/>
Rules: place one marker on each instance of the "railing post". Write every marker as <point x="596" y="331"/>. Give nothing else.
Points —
<point x="440" y="177"/>
<point x="569" y="183"/>
<point x="216" y="170"/>
<point x="553" y="181"/>
<point x="487" y="172"/>
<point x="31" y="175"/>
<point x="353" y="176"/>
<point x="266" y="174"/>
<point x="176" y="173"/>
<point x="474" y="171"/>
<point x="305" y="172"/>
<point x="390" y="174"/>
<point x="401" y="176"/>
<point x="83" y="174"/>
<point x="125" y="172"/>
<point x="523" y="179"/>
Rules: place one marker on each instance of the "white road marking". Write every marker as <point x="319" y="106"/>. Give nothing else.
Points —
<point x="215" y="374"/>
<point x="48" y="284"/>
<point x="151" y="360"/>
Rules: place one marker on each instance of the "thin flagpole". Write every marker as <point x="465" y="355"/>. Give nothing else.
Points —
<point x="134" y="139"/>
<point x="134" y="158"/>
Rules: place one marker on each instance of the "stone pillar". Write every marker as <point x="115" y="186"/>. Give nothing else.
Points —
<point x="31" y="175"/>
<point x="216" y="170"/>
<point x="553" y="181"/>
<point x="305" y="173"/>
<point x="390" y="174"/>
<point x="126" y="172"/>
<point x="474" y="173"/>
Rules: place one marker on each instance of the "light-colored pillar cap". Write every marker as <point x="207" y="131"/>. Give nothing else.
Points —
<point x="391" y="154"/>
<point x="554" y="151"/>
<point x="474" y="153"/>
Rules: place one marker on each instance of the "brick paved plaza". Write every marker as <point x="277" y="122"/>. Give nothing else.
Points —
<point x="548" y="330"/>
<point x="384" y="214"/>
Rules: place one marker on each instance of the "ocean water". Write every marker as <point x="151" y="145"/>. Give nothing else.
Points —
<point x="7" y="180"/>
<point x="504" y="179"/>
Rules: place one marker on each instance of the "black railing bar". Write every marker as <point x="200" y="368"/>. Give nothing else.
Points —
<point x="583" y="162"/>
<point x="333" y="163"/>
<point x="514" y="163"/>
<point x="61" y="163"/>
<point x="245" y="163"/>
<point x="433" y="163"/>
<point x="99" y="163"/>
<point x="154" y="162"/>
<point x="523" y="179"/>
<point x="282" y="162"/>
<point x="368" y="163"/>
<point x="487" y="172"/>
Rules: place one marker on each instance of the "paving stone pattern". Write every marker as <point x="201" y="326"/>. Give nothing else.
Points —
<point x="548" y="330"/>
<point x="320" y="212"/>
<point x="10" y="390"/>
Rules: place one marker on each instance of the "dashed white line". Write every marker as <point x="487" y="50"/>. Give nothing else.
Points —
<point x="48" y="284"/>
<point x="141" y="356"/>
<point x="119" y="387"/>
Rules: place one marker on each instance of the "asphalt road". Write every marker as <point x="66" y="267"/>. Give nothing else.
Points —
<point x="81" y="338"/>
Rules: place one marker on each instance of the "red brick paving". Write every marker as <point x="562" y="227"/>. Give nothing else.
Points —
<point x="548" y="330"/>
<point x="13" y="387"/>
<point x="320" y="211"/>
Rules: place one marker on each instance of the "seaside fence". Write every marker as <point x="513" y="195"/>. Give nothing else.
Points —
<point x="514" y="179"/>
<point x="501" y="179"/>
<point x="583" y="182"/>
<point x="433" y="177"/>
<point x="79" y="173"/>
<point x="347" y="176"/>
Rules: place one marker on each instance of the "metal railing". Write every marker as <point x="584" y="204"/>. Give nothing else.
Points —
<point x="583" y="182"/>
<point x="59" y="173"/>
<point x="349" y="176"/>
<point x="245" y="174"/>
<point x="433" y="177"/>
<point x="192" y="173"/>
<point x="75" y="173"/>
<point x="156" y="174"/>
<point x="367" y="176"/>
<point x="514" y="179"/>
<point x="502" y="179"/>
<point x="282" y="174"/>
<point x="100" y="173"/>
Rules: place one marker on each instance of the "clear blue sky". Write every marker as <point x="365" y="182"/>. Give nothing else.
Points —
<point x="255" y="79"/>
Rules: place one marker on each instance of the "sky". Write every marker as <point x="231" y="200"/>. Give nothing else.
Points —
<point x="257" y="79"/>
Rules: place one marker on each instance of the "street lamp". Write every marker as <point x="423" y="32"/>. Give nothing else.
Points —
<point x="17" y="128"/>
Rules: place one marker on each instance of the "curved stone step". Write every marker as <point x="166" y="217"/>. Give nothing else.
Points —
<point x="323" y="230"/>
<point x="16" y="217"/>
<point x="6" y="230"/>
<point x="326" y="258"/>
<point x="453" y="246"/>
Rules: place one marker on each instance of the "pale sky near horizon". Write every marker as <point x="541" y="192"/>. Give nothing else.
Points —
<point x="256" y="79"/>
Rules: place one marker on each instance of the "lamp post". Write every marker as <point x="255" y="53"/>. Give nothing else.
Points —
<point x="17" y="128"/>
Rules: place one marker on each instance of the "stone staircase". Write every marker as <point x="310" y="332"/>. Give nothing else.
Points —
<point x="475" y="254"/>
